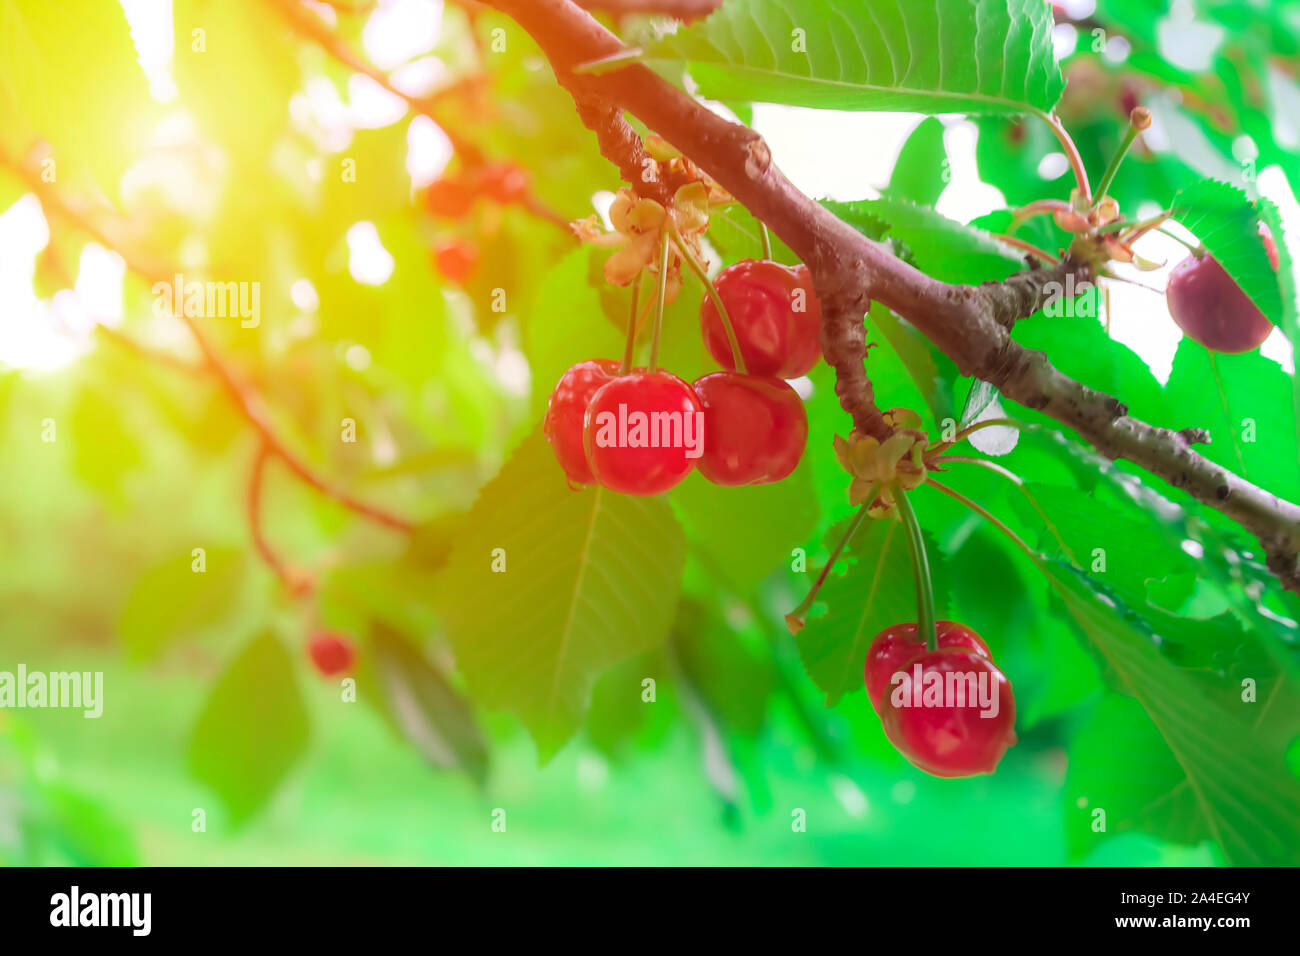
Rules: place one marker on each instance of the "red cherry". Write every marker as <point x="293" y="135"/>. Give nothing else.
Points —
<point x="957" y="720"/>
<point x="566" y="413"/>
<point x="755" y="428"/>
<point x="644" y="433"/>
<point x="1212" y="309"/>
<point x="776" y="315"/>
<point x="449" y="198"/>
<point x="505" y="182"/>
<point x="894" y="649"/>
<point x="456" y="259"/>
<point x="332" y="654"/>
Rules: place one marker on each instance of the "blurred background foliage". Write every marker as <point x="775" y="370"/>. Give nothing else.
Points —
<point x="237" y="141"/>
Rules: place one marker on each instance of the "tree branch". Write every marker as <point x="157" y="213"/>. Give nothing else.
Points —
<point x="971" y="325"/>
<point x="681" y="9"/>
<point x="245" y="398"/>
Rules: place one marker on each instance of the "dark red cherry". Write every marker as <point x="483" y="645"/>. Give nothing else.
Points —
<point x="1212" y="309"/>
<point x="896" y="647"/>
<point x="644" y="433"/>
<point x="951" y="712"/>
<point x="776" y="315"/>
<point x="566" y="413"/>
<point x="755" y="428"/>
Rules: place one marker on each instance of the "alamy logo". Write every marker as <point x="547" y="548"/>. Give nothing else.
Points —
<point x="639" y="429"/>
<point x="103" y="909"/>
<point x="213" y="300"/>
<point x="945" y="689"/>
<point x="58" y="689"/>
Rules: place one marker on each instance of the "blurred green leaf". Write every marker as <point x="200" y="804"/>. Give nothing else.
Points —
<point x="922" y="171"/>
<point x="252" y="728"/>
<point x="1229" y="750"/>
<point x="423" y="705"/>
<point x="72" y="82"/>
<point x="172" y="602"/>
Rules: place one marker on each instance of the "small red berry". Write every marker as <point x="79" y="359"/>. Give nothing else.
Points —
<point x="1212" y="309"/>
<point x="566" y="414"/>
<point x="332" y="654"/>
<point x="505" y="182"/>
<point x="776" y="315"/>
<point x="449" y="198"/>
<point x="755" y="428"/>
<point x="644" y="433"/>
<point x="456" y="259"/>
<point x="951" y="712"/>
<point x="894" y="649"/>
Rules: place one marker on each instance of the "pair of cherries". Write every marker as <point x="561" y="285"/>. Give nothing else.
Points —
<point x="944" y="733"/>
<point x="752" y="427"/>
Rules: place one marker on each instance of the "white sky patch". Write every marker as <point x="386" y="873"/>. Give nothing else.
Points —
<point x="1065" y="38"/>
<point x="399" y="30"/>
<point x="304" y="295"/>
<point x="152" y="31"/>
<point x="422" y="76"/>
<point x="865" y="148"/>
<point x="428" y="151"/>
<point x="967" y="196"/>
<point x="99" y="283"/>
<point x="803" y="386"/>
<point x="368" y="261"/>
<point x="370" y="106"/>
<point x="601" y="202"/>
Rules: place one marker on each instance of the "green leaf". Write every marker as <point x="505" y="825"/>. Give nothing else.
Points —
<point x="938" y="246"/>
<point x="1229" y="751"/>
<point x="1227" y="223"/>
<point x="947" y="56"/>
<point x="422" y="704"/>
<point x="1245" y="402"/>
<point x="252" y="728"/>
<point x="747" y="533"/>
<point x="921" y="172"/>
<point x="173" y="602"/>
<point x="980" y="397"/>
<point x="877" y="590"/>
<point x="72" y="80"/>
<point x="591" y="577"/>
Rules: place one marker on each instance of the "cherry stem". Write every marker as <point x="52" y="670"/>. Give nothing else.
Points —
<point x="987" y="516"/>
<point x="661" y="292"/>
<point x="983" y="463"/>
<point x="1040" y="207"/>
<point x="630" y="344"/>
<point x="765" y="238"/>
<point x="921" y="568"/>
<point x="1071" y="152"/>
<point x="1130" y="137"/>
<point x="799" y="613"/>
<point x="1030" y="248"/>
<point x="1197" y="251"/>
<point x="702" y="274"/>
